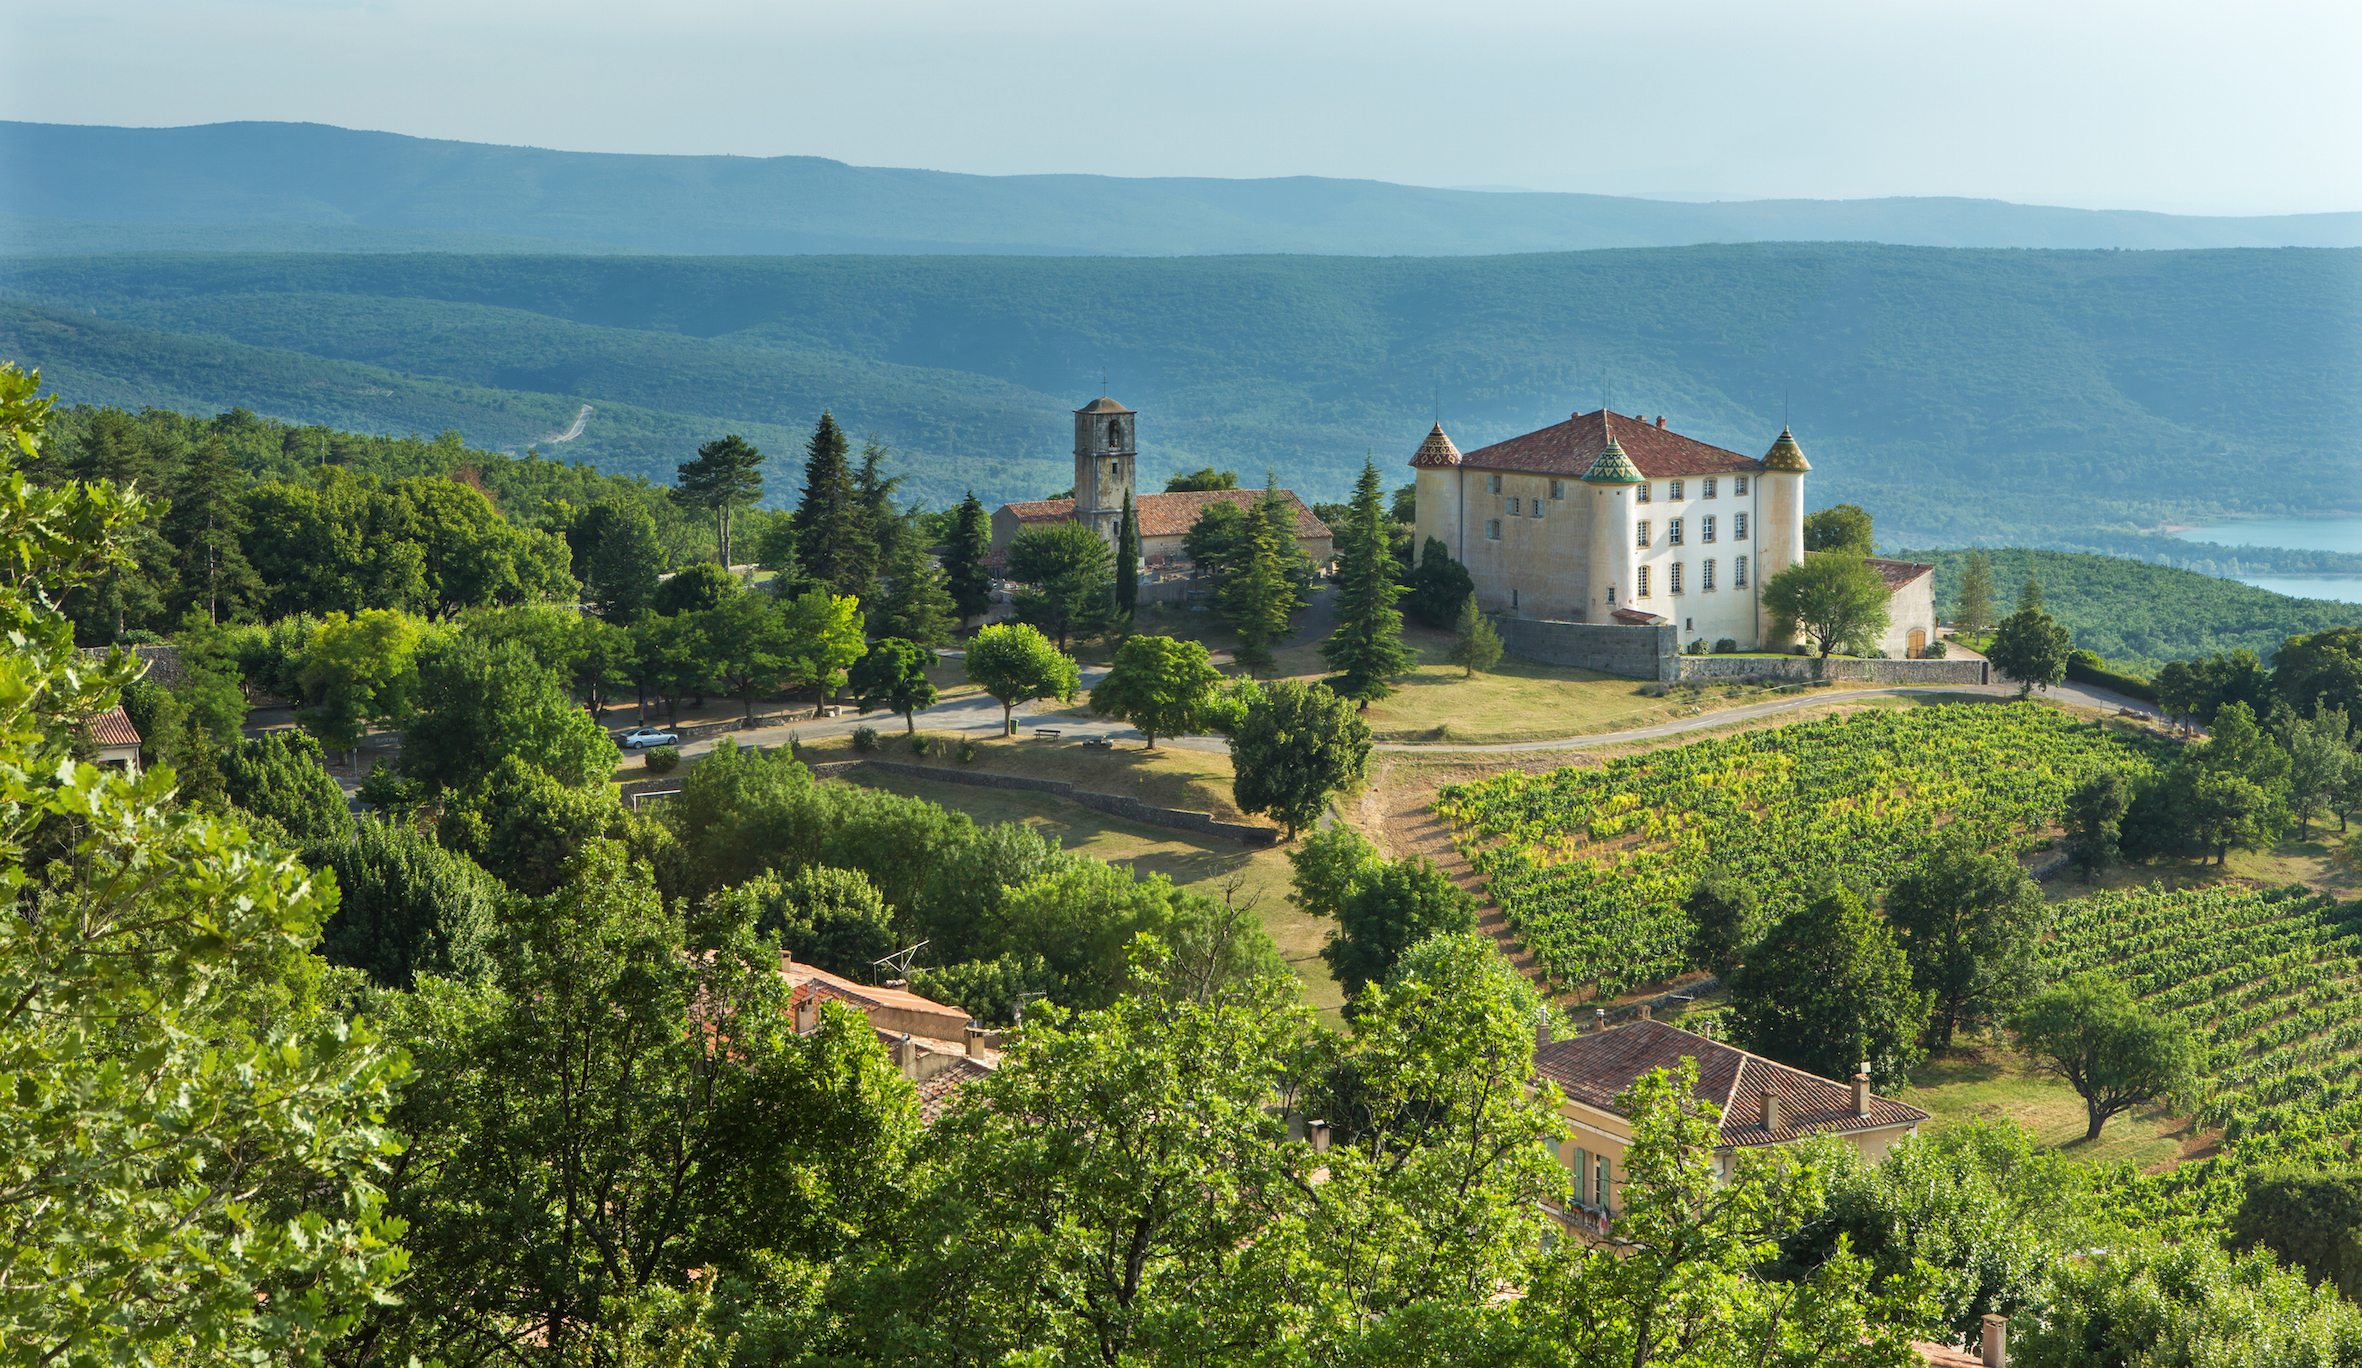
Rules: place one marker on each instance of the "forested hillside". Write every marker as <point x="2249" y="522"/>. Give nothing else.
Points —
<point x="188" y="187"/>
<point x="2138" y="616"/>
<point x="2032" y="395"/>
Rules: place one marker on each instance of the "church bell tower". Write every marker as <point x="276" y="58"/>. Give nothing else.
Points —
<point x="1106" y="450"/>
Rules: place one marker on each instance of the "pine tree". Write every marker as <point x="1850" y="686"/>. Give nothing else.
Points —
<point x="1258" y="600"/>
<point x="203" y="526"/>
<point x="1477" y="647"/>
<point x="1367" y="648"/>
<point x="916" y="605"/>
<point x="1973" y="613"/>
<point x="1127" y="566"/>
<point x="725" y="474"/>
<point x="963" y="559"/>
<point x="2030" y="597"/>
<point x="832" y="537"/>
<point x="875" y="493"/>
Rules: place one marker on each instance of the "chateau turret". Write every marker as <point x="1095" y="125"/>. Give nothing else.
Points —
<point x="1609" y="485"/>
<point x="1782" y="538"/>
<point x="1441" y="511"/>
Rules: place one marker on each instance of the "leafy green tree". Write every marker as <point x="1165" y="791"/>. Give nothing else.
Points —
<point x="2183" y="1302"/>
<point x="2311" y="1220"/>
<point x="1388" y="910"/>
<point x="165" y="1044"/>
<point x="281" y="775"/>
<point x="1328" y="865"/>
<point x="524" y="827"/>
<point x="725" y="475"/>
<point x="2091" y="1034"/>
<point x="358" y="672"/>
<point x="1367" y="648"/>
<point x="1261" y="596"/>
<point x="873" y="493"/>
<point x="696" y="589"/>
<point x="2240" y="746"/>
<point x="916" y="603"/>
<point x="990" y="990"/>
<point x="2321" y="670"/>
<point x="963" y="559"/>
<point x="2225" y="812"/>
<point x="832" y="528"/>
<point x="831" y="919"/>
<point x="1083" y="918"/>
<point x="1972" y="611"/>
<point x="1725" y="920"/>
<point x="2030" y="648"/>
<point x="1017" y="664"/>
<point x="479" y="705"/>
<point x="2094" y="820"/>
<point x="1842" y="528"/>
<point x="1404" y="508"/>
<point x="970" y="873"/>
<point x="1969" y="923"/>
<point x="747" y="646"/>
<point x="1828" y="988"/>
<point x="2030" y="595"/>
<point x="1475" y="645"/>
<point x="1220" y="541"/>
<point x="624" y="561"/>
<point x="1127" y="565"/>
<point x="820" y="639"/>
<point x="1294" y="747"/>
<point x="1441" y="587"/>
<point x="1833" y="598"/>
<point x="1068" y="579"/>
<point x="893" y="676"/>
<point x="633" y="1091"/>
<point x="2320" y="757"/>
<point x="210" y="569"/>
<point x="1198" y="481"/>
<point x="1158" y="684"/>
<point x="405" y="905"/>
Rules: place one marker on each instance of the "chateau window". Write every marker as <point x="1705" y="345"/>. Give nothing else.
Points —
<point x="1641" y="540"/>
<point x="1557" y="489"/>
<point x="1514" y="510"/>
<point x="1640" y="587"/>
<point x="1708" y="491"/>
<point x="1706" y="529"/>
<point x="1673" y="489"/>
<point x="1496" y="484"/>
<point x="1673" y="578"/>
<point x="1706" y="578"/>
<point x="1738" y="527"/>
<point x="1642" y="496"/>
<point x="1673" y="531"/>
<point x="1738" y="484"/>
<point x="1738" y="572"/>
<point x="1492" y="529"/>
<point x="1611" y="596"/>
<point x="1535" y="509"/>
<point x="1513" y="600"/>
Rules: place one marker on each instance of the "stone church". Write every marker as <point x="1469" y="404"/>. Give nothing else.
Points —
<point x="1106" y="456"/>
<point x="1611" y="519"/>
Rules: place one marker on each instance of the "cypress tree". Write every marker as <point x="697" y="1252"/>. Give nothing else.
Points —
<point x="1127" y="565"/>
<point x="832" y="538"/>
<point x="1367" y="648"/>
<point x="1973" y="612"/>
<point x="963" y="560"/>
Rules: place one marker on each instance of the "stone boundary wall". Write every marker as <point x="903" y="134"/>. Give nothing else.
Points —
<point x="1859" y="671"/>
<point x="1114" y="805"/>
<point x="161" y="658"/>
<point x="1634" y="652"/>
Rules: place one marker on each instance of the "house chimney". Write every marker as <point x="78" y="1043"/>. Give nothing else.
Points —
<point x="1541" y="1030"/>
<point x="906" y="1054"/>
<point x="1660" y="420"/>
<point x="1644" y="1013"/>
<point x="1320" y="1137"/>
<point x="975" y="1039"/>
<point x="1862" y="1089"/>
<point x="1599" y="1018"/>
<point x="1771" y="1111"/>
<point x="1996" y="1341"/>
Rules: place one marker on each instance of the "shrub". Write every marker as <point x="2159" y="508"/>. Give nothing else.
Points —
<point x="1726" y="646"/>
<point x="1800" y="649"/>
<point x="967" y="751"/>
<point x="1933" y="651"/>
<point x="1697" y="647"/>
<point x="920" y="743"/>
<point x="865" y="739"/>
<point x="663" y="759"/>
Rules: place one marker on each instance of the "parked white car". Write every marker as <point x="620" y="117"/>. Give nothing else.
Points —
<point x="638" y="737"/>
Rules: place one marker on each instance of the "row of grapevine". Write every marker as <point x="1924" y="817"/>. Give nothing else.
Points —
<point x="1589" y="863"/>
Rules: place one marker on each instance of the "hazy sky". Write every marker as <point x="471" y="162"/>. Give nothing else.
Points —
<point x="2208" y="108"/>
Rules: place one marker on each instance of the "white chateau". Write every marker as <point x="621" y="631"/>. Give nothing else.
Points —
<point x="1606" y="519"/>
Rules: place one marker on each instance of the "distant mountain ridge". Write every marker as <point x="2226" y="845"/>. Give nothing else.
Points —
<point x="71" y="189"/>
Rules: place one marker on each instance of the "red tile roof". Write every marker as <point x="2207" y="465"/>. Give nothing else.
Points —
<point x="1597" y="1067"/>
<point x="1897" y="573"/>
<point x="1943" y="1356"/>
<point x="1636" y="617"/>
<point x="1103" y="404"/>
<point x="1171" y="515"/>
<point x="113" y="728"/>
<point x="937" y="1094"/>
<point x="1437" y="450"/>
<point x="1569" y="448"/>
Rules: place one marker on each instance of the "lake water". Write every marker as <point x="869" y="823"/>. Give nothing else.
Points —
<point x="2303" y="534"/>
<point x="2343" y="588"/>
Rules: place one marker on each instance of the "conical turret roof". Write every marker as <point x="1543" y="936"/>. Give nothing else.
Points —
<point x="1786" y="455"/>
<point x="1613" y="466"/>
<point x="1437" y="450"/>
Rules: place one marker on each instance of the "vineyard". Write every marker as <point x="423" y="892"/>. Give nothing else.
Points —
<point x="1590" y="864"/>
<point x="2272" y="983"/>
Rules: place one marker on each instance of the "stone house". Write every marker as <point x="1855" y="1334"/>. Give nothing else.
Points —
<point x="939" y="1048"/>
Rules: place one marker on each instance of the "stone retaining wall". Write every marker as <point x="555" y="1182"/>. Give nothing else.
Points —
<point x="1114" y="805"/>
<point x="1634" y="652"/>
<point x="1859" y="671"/>
<point x="161" y="658"/>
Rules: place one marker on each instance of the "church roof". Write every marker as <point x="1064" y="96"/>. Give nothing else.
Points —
<point x="1612" y="467"/>
<point x="1171" y="515"/>
<point x="1571" y="448"/>
<point x="1437" y="450"/>
<point x="1785" y="454"/>
<point x="1103" y="404"/>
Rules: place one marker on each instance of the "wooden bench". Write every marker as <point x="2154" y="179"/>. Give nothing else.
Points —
<point x="1051" y="732"/>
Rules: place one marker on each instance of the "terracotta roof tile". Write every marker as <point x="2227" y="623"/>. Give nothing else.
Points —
<point x="1437" y="450"/>
<point x="113" y="728"/>
<point x="1597" y="1067"/>
<point x="1171" y="515"/>
<point x="937" y="1094"/>
<point x="1942" y="1356"/>
<point x="1636" y="617"/>
<point x="1897" y="573"/>
<point x="1570" y="448"/>
<point x="1103" y="404"/>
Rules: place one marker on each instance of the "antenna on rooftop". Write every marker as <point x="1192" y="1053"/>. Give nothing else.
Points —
<point x="900" y="960"/>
